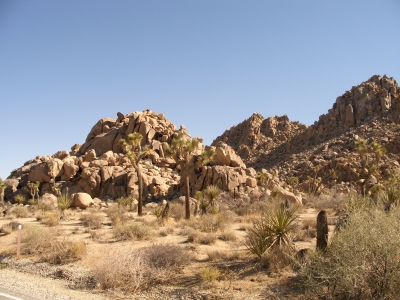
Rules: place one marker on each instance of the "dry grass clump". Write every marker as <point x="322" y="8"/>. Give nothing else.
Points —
<point x="228" y="236"/>
<point x="19" y="211"/>
<point x="131" y="231"/>
<point x="177" y="211"/>
<point x="166" y="231"/>
<point x="254" y="208"/>
<point x="209" y="274"/>
<point x="197" y="237"/>
<point x="277" y="259"/>
<point x="307" y="230"/>
<point x="49" y="218"/>
<point x="9" y="228"/>
<point x="139" y="269"/>
<point x="93" y="220"/>
<point x="118" y="215"/>
<point x="233" y="255"/>
<point x="44" y="243"/>
<point x="45" y="206"/>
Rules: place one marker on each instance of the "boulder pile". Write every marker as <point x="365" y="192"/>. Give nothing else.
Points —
<point x="369" y="111"/>
<point x="99" y="167"/>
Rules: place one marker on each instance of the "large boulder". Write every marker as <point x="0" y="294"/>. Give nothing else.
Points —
<point x="226" y="156"/>
<point x="82" y="200"/>
<point x="289" y="196"/>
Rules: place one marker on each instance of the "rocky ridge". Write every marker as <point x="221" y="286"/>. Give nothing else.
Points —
<point x="100" y="169"/>
<point x="368" y="111"/>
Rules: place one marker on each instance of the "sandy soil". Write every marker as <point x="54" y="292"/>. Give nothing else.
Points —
<point x="242" y="276"/>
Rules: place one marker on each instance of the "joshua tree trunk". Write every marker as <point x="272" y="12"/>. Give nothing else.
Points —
<point x="187" y="196"/>
<point x="140" y="192"/>
<point x="322" y="231"/>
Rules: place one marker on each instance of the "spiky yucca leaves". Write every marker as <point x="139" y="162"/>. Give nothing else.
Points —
<point x="64" y="202"/>
<point x="272" y="230"/>
<point x="211" y="192"/>
<point x="183" y="150"/>
<point x="258" y="239"/>
<point x="133" y="149"/>
<point x="3" y="186"/>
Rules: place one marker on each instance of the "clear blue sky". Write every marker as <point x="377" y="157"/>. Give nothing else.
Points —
<point x="205" y="64"/>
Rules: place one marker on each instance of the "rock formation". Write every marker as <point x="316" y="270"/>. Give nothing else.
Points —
<point x="368" y="111"/>
<point x="99" y="168"/>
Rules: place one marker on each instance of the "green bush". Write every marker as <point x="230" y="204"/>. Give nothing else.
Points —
<point x="362" y="262"/>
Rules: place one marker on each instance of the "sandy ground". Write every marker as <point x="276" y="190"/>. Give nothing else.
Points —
<point x="242" y="278"/>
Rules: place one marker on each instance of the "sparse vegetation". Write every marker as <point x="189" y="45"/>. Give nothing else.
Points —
<point x="132" y="270"/>
<point x="46" y="244"/>
<point x="209" y="274"/>
<point x="131" y="231"/>
<point x="362" y="262"/>
<point x="135" y="154"/>
<point x="19" y="211"/>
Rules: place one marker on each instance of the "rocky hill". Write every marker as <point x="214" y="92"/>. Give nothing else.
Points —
<point x="368" y="111"/>
<point x="99" y="167"/>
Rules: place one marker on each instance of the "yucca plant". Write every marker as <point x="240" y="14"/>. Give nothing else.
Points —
<point x="64" y="202"/>
<point x="272" y="230"/>
<point x="211" y="192"/>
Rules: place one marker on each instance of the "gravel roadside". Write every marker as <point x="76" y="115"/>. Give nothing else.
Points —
<point x="36" y="287"/>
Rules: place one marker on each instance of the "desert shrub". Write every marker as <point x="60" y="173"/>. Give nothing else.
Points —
<point x="308" y="229"/>
<point x="117" y="214"/>
<point x="45" y="243"/>
<point x="356" y="202"/>
<point x="252" y="208"/>
<point x="274" y="228"/>
<point x="158" y="213"/>
<point x="49" y="218"/>
<point x="45" y="206"/>
<point x="277" y="259"/>
<point x="128" y="202"/>
<point x="93" y="220"/>
<point x="209" y="274"/>
<point x="228" y="235"/>
<point x="131" y="231"/>
<point x="215" y="255"/>
<point x="166" y="255"/>
<point x="362" y="262"/>
<point x="177" y="211"/>
<point x="139" y="269"/>
<point x="95" y="234"/>
<point x="166" y="230"/>
<point x="20" y="199"/>
<point x="201" y="238"/>
<point x="9" y="228"/>
<point x="19" y="211"/>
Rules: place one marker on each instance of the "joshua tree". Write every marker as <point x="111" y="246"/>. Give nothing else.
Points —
<point x="134" y="151"/>
<point x="34" y="189"/>
<point x="183" y="151"/>
<point x="3" y="186"/>
<point x="368" y="167"/>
